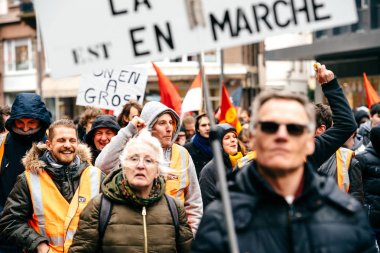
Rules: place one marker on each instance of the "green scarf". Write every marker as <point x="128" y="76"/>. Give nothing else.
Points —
<point x="158" y="190"/>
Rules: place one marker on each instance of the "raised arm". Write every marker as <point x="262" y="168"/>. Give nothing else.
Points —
<point x="108" y="159"/>
<point x="344" y="123"/>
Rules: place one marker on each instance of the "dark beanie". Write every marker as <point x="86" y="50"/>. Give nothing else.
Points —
<point x="375" y="138"/>
<point x="359" y="115"/>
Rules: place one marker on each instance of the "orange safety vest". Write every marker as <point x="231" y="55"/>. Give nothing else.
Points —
<point x="178" y="181"/>
<point x="343" y="160"/>
<point x="53" y="217"/>
<point x="2" y="148"/>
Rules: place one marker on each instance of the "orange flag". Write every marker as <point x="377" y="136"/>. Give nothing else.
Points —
<point x="169" y="94"/>
<point x="372" y="96"/>
<point x="228" y="112"/>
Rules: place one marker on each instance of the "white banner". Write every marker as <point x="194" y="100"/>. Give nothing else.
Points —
<point x="88" y="34"/>
<point x="112" y="88"/>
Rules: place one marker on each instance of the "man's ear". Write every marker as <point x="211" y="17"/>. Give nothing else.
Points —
<point x="48" y="144"/>
<point x="320" y="130"/>
<point x="310" y="145"/>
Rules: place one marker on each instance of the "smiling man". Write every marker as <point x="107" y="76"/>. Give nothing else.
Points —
<point x="164" y="124"/>
<point x="103" y="128"/>
<point x="42" y="211"/>
<point x="279" y="203"/>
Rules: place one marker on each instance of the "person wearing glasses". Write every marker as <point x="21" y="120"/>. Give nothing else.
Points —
<point x="140" y="218"/>
<point x="164" y="124"/>
<point x="279" y="202"/>
<point x="231" y="153"/>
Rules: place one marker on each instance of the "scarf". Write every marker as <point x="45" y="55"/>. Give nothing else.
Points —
<point x="234" y="158"/>
<point x="203" y="144"/>
<point x="53" y="162"/>
<point x="158" y="190"/>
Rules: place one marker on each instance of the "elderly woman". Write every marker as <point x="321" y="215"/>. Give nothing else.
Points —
<point x="141" y="217"/>
<point x="231" y="152"/>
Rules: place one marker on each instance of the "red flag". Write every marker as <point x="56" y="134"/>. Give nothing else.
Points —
<point x="372" y="96"/>
<point x="228" y="112"/>
<point x="169" y="94"/>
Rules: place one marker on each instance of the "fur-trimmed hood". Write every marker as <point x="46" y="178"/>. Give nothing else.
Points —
<point x="32" y="162"/>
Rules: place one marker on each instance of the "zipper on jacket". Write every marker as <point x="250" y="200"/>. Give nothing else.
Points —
<point x="143" y="213"/>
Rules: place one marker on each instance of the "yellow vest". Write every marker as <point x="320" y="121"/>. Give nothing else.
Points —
<point x="178" y="180"/>
<point x="53" y="217"/>
<point x="2" y="145"/>
<point x="343" y="160"/>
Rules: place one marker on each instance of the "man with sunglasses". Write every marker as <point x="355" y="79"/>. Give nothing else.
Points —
<point x="279" y="203"/>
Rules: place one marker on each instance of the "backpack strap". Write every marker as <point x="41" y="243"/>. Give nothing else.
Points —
<point x="104" y="216"/>
<point x="174" y="213"/>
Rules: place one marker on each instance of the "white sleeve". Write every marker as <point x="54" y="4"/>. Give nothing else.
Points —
<point x="108" y="159"/>
<point x="193" y="199"/>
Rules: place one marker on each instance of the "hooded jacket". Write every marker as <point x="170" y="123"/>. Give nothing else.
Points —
<point x="209" y="174"/>
<point x="124" y="231"/>
<point x="100" y="121"/>
<point x="26" y="105"/>
<point x="108" y="159"/>
<point x="19" y="207"/>
<point x="321" y="219"/>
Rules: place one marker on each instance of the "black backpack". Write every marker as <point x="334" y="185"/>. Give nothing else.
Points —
<point x="105" y="214"/>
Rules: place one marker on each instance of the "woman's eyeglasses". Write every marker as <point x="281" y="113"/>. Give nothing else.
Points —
<point x="147" y="161"/>
<point x="271" y="127"/>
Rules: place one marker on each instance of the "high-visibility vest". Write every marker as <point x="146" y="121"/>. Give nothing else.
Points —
<point x="53" y="217"/>
<point x="245" y="159"/>
<point x="2" y="148"/>
<point x="178" y="180"/>
<point x="343" y="160"/>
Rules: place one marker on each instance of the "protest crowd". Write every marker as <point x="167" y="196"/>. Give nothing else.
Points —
<point x="302" y="177"/>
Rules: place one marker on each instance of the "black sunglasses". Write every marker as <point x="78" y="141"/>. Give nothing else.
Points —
<point x="271" y="127"/>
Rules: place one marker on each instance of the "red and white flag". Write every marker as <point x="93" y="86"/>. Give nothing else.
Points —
<point x="193" y="98"/>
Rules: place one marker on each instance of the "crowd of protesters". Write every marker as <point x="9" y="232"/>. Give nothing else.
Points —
<point x="301" y="177"/>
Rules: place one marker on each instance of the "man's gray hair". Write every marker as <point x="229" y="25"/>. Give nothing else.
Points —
<point x="267" y="95"/>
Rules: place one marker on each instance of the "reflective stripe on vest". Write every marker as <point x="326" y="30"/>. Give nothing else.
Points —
<point x="245" y="159"/>
<point x="53" y="217"/>
<point x="178" y="180"/>
<point x="343" y="160"/>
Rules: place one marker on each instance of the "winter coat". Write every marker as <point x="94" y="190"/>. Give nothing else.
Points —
<point x="100" y="121"/>
<point x="368" y="163"/>
<point x="209" y="175"/>
<point x="19" y="207"/>
<point x="26" y="105"/>
<point x="329" y="168"/>
<point x="108" y="159"/>
<point x="321" y="219"/>
<point x="125" y="229"/>
<point x="200" y="158"/>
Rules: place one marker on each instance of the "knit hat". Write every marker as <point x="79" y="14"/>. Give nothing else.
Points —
<point x="359" y="115"/>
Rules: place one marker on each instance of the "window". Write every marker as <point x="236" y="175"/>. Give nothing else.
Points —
<point x="18" y="55"/>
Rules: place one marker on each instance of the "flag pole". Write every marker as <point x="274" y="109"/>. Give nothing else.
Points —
<point x="219" y="165"/>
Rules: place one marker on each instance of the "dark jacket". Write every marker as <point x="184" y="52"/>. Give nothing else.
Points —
<point x="333" y="138"/>
<point x="200" y="158"/>
<point x="321" y="219"/>
<point x="209" y="174"/>
<point x="329" y="168"/>
<point x="368" y="163"/>
<point x="125" y="229"/>
<point x="19" y="207"/>
<point x="26" y="105"/>
<point x="100" y="121"/>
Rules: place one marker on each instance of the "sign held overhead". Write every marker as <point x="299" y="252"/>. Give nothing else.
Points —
<point x="118" y="32"/>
